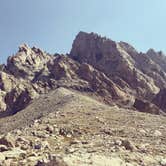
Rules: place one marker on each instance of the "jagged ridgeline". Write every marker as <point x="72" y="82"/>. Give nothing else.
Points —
<point x="111" y="72"/>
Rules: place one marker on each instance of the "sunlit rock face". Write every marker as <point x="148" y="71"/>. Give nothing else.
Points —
<point x="27" y="62"/>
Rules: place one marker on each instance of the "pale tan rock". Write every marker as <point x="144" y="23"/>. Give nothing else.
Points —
<point x="2" y="157"/>
<point x="163" y="162"/>
<point x="94" y="160"/>
<point x="14" y="153"/>
<point x="157" y="133"/>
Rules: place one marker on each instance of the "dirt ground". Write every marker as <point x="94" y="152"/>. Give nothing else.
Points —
<point x="83" y="131"/>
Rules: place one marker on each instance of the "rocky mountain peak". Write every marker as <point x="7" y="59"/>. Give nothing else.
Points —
<point x="82" y="34"/>
<point x="111" y="71"/>
<point x="151" y="51"/>
<point x="119" y="61"/>
<point x="27" y="61"/>
<point x="24" y="48"/>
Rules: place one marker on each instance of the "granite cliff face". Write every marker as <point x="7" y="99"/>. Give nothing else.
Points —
<point x="114" y="73"/>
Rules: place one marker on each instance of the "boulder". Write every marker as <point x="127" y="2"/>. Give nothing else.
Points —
<point x="7" y="140"/>
<point x="159" y="99"/>
<point x="14" y="153"/>
<point x="145" y="106"/>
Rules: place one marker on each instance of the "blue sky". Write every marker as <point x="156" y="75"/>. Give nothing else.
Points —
<point x="53" y="24"/>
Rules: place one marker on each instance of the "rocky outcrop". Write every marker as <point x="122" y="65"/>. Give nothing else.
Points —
<point x="158" y="57"/>
<point x="119" y="61"/>
<point x="32" y="72"/>
<point x="159" y="99"/>
<point x="84" y="77"/>
<point x="27" y="62"/>
<point x="15" y="93"/>
<point x="145" y="106"/>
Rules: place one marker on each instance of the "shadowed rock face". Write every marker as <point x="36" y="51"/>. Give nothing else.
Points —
<point x="32" y="72"/>
<point x="145" y="106"/>
<point x="114" y="73"/>
<point x="119" y="61"/>
<point x="159" y="99"/>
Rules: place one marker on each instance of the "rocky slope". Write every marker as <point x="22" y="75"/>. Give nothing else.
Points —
<point x="66" y="128"/>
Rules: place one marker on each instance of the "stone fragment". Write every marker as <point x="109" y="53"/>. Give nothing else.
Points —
<point x="3" y="148"/>
<point x="7" y="140"/>
<point x="157" y="133"/>
<point x="128" y="145"/>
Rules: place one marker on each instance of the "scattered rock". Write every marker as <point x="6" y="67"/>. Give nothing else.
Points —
<point x="108" y="132"/>
<point x="118" y="142"/>
<point x="142" y="132"/>
<point x="70" y="150"/>
<point x="7" y="140"/>
<point x="128" y="145"/>
<point x="37" y="146"/>
<point x="2" y="157"/>
<point x="52" y="162"/>
<point x="65" y="132"/>
<point x="157" y="133"/>
<point x="94" y="160"/>
<point x="163" y="162"/>
<point x="50" y="129"/>
<point x="143" y="148"/>
<point x="14" y="153"/>
<point x="3" y="148"/>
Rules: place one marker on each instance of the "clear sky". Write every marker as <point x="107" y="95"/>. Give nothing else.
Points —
<point x="53" y="24"/>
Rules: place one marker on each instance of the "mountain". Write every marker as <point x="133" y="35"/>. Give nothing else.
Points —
<point x="32" y="72"/>
<point x="104" y="101"/>
<point x="141" y="75"/>
<point x="115" y="73"/>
